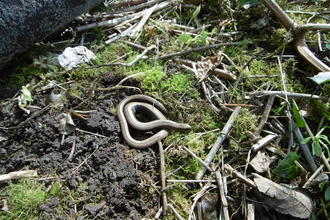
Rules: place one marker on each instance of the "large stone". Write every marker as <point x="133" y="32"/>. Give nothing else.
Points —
<point x="26" y="22"/>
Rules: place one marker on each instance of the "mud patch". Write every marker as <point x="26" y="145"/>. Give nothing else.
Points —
<point x="93" y="156"/>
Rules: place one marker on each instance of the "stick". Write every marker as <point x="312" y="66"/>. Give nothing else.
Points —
<point x="163" y="176"/>
<point x="284" y="94"/>
<point x="196" y="49"/>
<point x="18" y="175"/>
<point x="251" y="211"/>
<point x="140" y="47"/>
<point x="139" y="57"/>
<point x="199" y="159"/>
<point x="191" y="181"/>
<point x="134" y="5"/>
<point x="73" y="148"/>
<point x="240" y="176"/>
<point x="175" y="212"/>
<point x="313" y="176"/>
<point x="128" y="77"/>
<point x="263" y="142"/>
<point x="139" y="26"/>
<point x="196" y="198"/>
<point x="219" y="141"/>
<point x="34" y="115"/>
<point x="109" y="23"/>
<point x="208" y="97"/>
<point x="222" y="195"/>
<point x="265" y="115"/>
<point x="120" y="87"/>
<point x="91" y="133"/>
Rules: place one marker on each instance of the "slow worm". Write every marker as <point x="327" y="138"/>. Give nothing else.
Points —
<point x="154" y="114"/>
<point x="148" y="106"/>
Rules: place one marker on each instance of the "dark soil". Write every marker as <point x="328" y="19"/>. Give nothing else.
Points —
<point x="110" y="169"/>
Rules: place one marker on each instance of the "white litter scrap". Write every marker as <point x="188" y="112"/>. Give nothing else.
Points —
<point x="73" y="56"/>
<point x="25" y="98"/>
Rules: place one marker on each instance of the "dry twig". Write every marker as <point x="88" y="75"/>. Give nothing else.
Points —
<point x="284" y="94"/>
<point x="265" y="115"/>
<point x="219" y="141"/>
<point x="18" y="175"/>
<point x="163" y="176"/>
<point x="222" y="195"/>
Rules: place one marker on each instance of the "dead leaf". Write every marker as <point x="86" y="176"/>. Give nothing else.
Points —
<point x="4" y="205"/>
<point x="260" y="162"/>
<point x="66" y="124"/>
<point x="207" y="65"/>
<point x="284" y="200"/>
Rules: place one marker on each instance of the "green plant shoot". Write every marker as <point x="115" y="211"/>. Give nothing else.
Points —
<point x="321" y="77"/>
<point x="327" y="191"/>
<point x="298" y="118"/>
<point x="186" y="37"/>
<point x="317" y="142"/>
<point x="288" y="169"/>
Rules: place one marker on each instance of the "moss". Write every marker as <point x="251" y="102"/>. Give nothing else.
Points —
<point x="178" y="83"/>
<point x="24" y="198"/>
<point x="245" y="122"/>
<point x="24" y="75"/>
<point x="152" y="79"/>
<point x="82" y="74"/>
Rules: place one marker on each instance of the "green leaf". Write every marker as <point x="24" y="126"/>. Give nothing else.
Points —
<point x="185" y="37"/>
<point x="327" y="46"/>
<point x="327" y="194"/>
<point x="321" y="77"/>
<point x="247" y="2"/>
<point x="325" y="138"/>
<point x="305" y="141"/>
<point x="299" y="120"/>
<point x="197" y="11"/>
<point x="316" y="148"/>
<point x="288" y="169"/>
<point x="322" y="184"/>
<point x="203" y="37"/>
<point x="244" y="43"/>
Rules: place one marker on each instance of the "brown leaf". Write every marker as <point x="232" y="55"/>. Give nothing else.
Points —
<point x="260" y="162"/>
<point x="66" y="124"/>
<point x="284" y="200"/>
<point x="207" y="65"/>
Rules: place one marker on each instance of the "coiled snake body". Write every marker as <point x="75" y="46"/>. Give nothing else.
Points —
<point x="154" y="110"/>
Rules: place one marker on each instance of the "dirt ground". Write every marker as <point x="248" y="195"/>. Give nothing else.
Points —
<point x="107" y="165"/>
<point x="114" y="181"/>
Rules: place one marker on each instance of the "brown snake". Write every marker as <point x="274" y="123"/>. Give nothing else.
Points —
<point x="126" y="110"/>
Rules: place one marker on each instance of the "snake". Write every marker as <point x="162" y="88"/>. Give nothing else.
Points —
<point x="151" y="108"/>
<point x="159" y="121"/>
